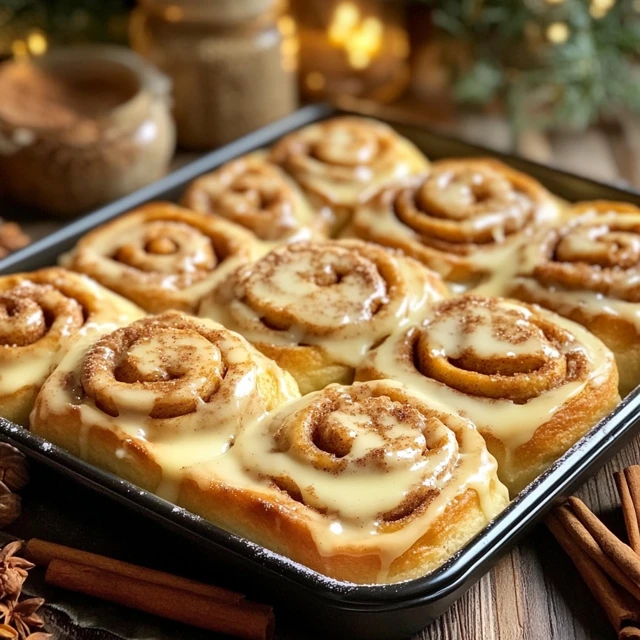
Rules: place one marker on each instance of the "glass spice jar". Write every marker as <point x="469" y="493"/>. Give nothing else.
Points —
<point x="81" y="126"/>
<point x="227" y="61"/>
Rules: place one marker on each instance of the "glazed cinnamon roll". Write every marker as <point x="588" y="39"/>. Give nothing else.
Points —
<point x="257" y="195"/>
<point x="366" y="483"/>
<point x="318" y="307"/>
<point x="465" y="219"/>
<point x="158" y="395"/>
<point x="343" y="161"/>
<point x="162" y="256"/>
<point x="41" y="315"/>
<point x="588" y="270"/>
<point x="531" y="381"/>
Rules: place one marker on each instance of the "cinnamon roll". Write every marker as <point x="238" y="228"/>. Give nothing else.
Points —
<point x="588" y="270"/>
<point x="318" y="307"/>
<point x="531" y="381"/>
<point x="41" y="315"/>
<point x="465" y="219"/>
<point x="146" y="400"/>
<point x="343" y="161"/>
<point x="257" y="195"/>
<point x="162" y="256"/>
<point x="366" y="483"/>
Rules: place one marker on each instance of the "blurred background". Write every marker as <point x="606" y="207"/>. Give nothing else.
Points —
<point x="554" y="80"/>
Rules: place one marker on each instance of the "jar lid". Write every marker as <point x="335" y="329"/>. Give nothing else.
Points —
<point x="220" y="12"/>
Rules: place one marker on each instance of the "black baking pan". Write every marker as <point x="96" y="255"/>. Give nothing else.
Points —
<point x="339" y="608"/>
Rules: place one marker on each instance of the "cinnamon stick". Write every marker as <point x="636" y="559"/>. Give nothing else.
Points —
<point x="41" y="553"/>
<point x="621" y="609"/>
<point x="615" y="557"/>
<point x="628" y="483"/>
<point x="241" y="619"/>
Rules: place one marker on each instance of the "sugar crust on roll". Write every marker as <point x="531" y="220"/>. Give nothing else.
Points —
<point x="162" y="256"/>
<point x="464" y="218"/>
<point x="343" y="161"/>
<point x="318" y="307"/>
<point x="531" y="381"/>
<point x="367" y="483"/>
<point x="259" y="196"/>
<point x="41" y="315"/>
<point x="588" y="270"/>
<point x="157" y="395"/>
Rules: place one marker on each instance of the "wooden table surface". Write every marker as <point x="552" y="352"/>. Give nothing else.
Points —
<point x="534" y="593"/>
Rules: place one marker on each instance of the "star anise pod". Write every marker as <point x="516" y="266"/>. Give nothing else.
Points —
<point x="13" y="571"/>
<point x="13" y="467"/>
<point x="23" y="617"/>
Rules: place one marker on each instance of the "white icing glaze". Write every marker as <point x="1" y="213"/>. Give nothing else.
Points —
<point x="397" y="446"/>
<point x="258" y="195"/>
<point x="342" y="296"/>
<point x="35" y="334"/>
<point x="163" y="256"/>
<point x="176" y="345"/>
<point x="590" y="265"/>
<point x="512" y="423"/>
<point x="566" y="301"/>
<point x="466" y="220"/>
<point x="346" y="160"/>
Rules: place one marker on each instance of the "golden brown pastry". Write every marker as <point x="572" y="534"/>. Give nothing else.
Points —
<point x="41" y="315"/>
<point x="162" y="256"/>
<point x="368" y="483"/>
<point x="588" y="270"/>
<point x="158" y="395"/>
<point x="531" y="381"/>
<point x="317" y="307"/>
<point x="258" y="195"/>
<point x="465" y="219"/>
<point x="343" y="161"/>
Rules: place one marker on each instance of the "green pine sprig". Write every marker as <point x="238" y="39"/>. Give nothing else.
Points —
<point x="546" y="83"/>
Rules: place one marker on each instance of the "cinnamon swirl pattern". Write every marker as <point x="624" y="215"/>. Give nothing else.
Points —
<point x="158" y="395"/>
<point x="257" y="195"/>
<point x="588" y="270"/>
<point x="318" y="307"/>
<point x="464" y="219"/>
<point x="366" y="483"/>
<point x="532" y="382"/>
<point x="41" y="315"/>
<point x="343" y="161"/>
<point x="162" y="256"/>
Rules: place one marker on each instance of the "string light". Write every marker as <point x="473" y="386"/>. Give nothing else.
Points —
<point x="287" y="26"/>
<point x="600" y="8"/>
<point x="37" y="43"/>
<point x="558" y="32"/>
<point x="361" y="38"/>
